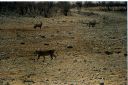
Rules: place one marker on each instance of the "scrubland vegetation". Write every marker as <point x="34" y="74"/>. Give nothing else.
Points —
<point x="88" y="39"/>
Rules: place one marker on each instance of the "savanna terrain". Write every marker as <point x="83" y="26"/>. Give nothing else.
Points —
<point x="85" y="54"/>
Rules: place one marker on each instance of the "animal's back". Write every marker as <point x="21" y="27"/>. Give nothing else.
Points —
<point x="45" y="52"/>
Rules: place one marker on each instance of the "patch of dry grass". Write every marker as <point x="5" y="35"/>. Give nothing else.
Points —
<point x="96" y="52"/>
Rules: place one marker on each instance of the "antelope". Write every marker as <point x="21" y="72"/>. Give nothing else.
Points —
<point x="91" y="23"/>
<point x="44" y="53"/>
<point x="38" y="25"/>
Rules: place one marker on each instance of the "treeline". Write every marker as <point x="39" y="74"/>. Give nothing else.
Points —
<point x="49" y="9"/>
<point x="46" y="9"/>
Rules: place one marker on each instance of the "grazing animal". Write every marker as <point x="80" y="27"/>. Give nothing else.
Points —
<point x="45" y="53"/>
<point x="91" y="23"/>
<point x="38" y="25"/>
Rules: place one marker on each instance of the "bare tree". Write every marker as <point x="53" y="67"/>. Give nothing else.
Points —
<point x="65" y="7"/>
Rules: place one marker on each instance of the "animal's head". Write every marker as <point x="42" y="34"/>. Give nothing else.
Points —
<point x="53" y="50"/>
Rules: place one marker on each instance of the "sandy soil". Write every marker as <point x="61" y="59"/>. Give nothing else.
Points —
<point x="96" y="53"/>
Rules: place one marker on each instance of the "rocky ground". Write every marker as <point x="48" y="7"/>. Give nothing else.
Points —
<point x="84" y="55"/>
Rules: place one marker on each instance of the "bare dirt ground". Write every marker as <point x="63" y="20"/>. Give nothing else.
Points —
<point x="95" y="53"/>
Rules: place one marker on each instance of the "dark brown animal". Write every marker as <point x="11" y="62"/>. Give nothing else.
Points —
<point x="40" y="53"/>
<point x="38" y="25"/>
<point x="91" y="24"/>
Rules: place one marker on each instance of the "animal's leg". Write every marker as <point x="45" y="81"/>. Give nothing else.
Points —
<point x="44" y="58"/>
<point x="93" y="25"/>
<point x="54" y="55"/>
<point x="38" y="57"/>
<point x="51" y="56"/>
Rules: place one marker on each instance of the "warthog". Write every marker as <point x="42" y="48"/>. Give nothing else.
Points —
<point x="38" y="25"/>
<point x="45" y="53"/>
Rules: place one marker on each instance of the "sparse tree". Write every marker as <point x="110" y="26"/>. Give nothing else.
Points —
<point x="79" y="5"/>
<point x="65" y="7"/>
<point x="47" y="9"/>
